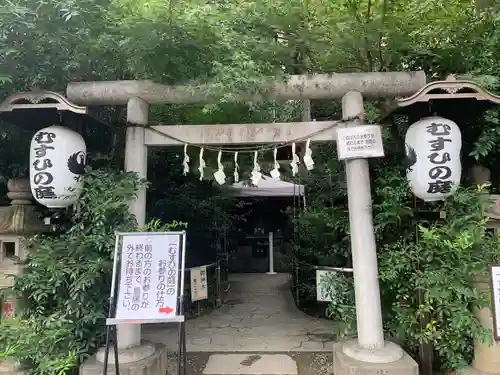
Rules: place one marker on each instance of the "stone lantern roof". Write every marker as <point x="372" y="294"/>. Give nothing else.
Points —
<point x="20" y="218"/>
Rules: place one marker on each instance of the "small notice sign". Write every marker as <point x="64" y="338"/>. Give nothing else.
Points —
<point x="495" y="308"/>
<point x="148" y="276"/>
<point x="359" y="142"/>
<point x="199" y="285"/>
<point x="321" y="277"/>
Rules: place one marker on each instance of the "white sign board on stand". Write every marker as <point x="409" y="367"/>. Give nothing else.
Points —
<point x="147" y="286"/>
<point x="495" y="308"/>
<point x="359" y="142"/>
<point x="199" y="286"/>
<point x="148" y="274"/>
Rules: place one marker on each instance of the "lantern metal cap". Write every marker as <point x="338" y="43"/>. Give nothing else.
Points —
<point x="42" y="108"/>
<point x="41" y="99"/>
<point x="450" y="88"/>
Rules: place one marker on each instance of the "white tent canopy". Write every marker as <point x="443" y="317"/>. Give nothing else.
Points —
<point x="268" y="187"/>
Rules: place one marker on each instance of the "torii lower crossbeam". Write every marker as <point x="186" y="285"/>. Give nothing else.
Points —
<point x="227" y="134"/>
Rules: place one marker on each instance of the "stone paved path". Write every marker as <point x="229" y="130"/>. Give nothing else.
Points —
<point x="259" y="315"/>
<point x="293" y="363"/>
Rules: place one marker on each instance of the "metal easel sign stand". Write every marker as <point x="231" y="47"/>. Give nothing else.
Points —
<point x="147" y="286"/>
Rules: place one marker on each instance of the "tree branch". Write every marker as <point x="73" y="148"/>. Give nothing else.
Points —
<point x="381" y="35"/>
<point x="369" y="56"/>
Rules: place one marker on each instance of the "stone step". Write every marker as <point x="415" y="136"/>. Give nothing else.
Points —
<point x="254" y="363"/>
<point x="250" y="364"/>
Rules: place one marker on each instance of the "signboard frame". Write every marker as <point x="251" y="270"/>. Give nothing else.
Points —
<point x="359" y="131"/>
<point x="112" y="321"/>
<point x="495" y="299"/>
<point x="116" y="274"/>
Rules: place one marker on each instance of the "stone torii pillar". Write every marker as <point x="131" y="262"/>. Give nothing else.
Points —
<point x="136" y="160"/>
<point x="369" y="354"/>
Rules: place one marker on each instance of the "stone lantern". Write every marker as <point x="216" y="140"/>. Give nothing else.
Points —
<point x="17" y="221"/>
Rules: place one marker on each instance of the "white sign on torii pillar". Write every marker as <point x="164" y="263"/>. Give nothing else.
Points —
<point x="370" y="346"/>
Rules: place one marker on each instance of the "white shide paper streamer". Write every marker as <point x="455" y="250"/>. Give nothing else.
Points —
<point x="185" y="162"/>
<point x="202" y="164"/>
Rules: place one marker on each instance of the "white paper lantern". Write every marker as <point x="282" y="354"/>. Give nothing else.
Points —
<point x="434" y="168"/>
<point x="57" y="163"/>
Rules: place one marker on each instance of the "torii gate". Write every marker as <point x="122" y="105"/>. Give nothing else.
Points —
<point x="370" y="347"/>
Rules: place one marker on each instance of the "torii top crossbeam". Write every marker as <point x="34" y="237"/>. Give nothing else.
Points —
<point x="298" y="87"/>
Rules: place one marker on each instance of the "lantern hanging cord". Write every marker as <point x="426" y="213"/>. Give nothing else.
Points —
<point x="254" y="149"/>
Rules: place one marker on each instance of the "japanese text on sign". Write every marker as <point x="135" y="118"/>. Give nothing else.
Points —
<point x="148" y="287"/>
<point x="441" y="172"/>
<point x="359" y="142"/>
<point x="495" y="279"/>
<point x="199" y="288"/>
<point x="43" y="178"/>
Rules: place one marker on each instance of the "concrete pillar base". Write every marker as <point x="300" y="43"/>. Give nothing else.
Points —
<point x="154" y="364"/>
<point x="128" y="355"/>
<point x="486" y="356"/>
<point x="9" y="367"/>
<point x="345" y="365"/>
<point x="389" y="353"/>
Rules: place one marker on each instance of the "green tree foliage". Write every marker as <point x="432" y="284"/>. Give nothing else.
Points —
<point x="230" y="46"/>
<point x="431" y="275"/>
